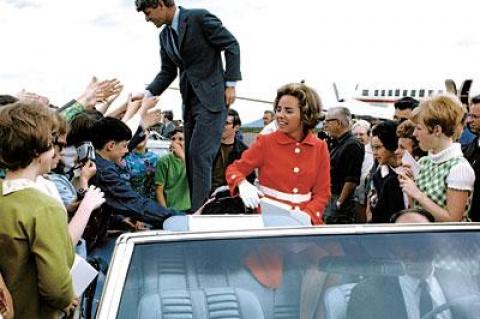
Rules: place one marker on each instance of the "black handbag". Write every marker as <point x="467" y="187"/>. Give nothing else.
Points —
<point x="224" y="204"/>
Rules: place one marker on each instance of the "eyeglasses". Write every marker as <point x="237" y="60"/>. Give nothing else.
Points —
<point x="60" y="145"/>
<point x="228" y="123"/>
<point x="330" y="120"/>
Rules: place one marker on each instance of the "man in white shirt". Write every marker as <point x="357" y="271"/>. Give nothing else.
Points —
<point x="421" y="289"/>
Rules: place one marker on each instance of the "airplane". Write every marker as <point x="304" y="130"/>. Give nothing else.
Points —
<point x="387" y="95"/>
<point x="377" y="100"/>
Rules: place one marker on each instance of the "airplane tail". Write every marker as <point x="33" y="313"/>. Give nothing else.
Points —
<point x="337" y="94"/>
<point x="464" y="92"/>
<point x="450" y="86"/>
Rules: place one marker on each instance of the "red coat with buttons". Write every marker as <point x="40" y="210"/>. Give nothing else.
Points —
<point x="288" y="166"/>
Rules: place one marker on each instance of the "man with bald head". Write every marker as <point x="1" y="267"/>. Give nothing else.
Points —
<point x="346" y="158"/>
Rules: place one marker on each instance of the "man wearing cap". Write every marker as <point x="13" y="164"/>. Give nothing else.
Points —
<point x="192" y="41"/>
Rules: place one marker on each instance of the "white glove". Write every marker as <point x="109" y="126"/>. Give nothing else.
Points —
<point x="249" y="194"/>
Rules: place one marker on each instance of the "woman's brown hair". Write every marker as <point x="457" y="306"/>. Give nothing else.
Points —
<point x="309" y="100"/>
<point x="25" y="132"/>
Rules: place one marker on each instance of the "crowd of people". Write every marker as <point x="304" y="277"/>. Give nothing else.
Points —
<point x="80" y="170"/>
<point x="74" y="176"/>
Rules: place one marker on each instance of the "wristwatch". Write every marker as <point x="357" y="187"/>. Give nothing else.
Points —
<point x="338" y="205"/>
<point x="81" y="193"/>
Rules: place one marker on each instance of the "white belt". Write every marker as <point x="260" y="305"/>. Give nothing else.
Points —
<point x="292" y="198"/>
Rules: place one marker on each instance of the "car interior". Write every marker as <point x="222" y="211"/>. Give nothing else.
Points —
<point x="284" y="277"/>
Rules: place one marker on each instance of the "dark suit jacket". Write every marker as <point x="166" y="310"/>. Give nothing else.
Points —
<point x="201" y="38"/>
<point x="471" y="152"/>
<point x="381" y="297"/>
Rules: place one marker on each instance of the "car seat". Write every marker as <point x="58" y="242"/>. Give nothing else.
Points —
<point x="232" y="303"/>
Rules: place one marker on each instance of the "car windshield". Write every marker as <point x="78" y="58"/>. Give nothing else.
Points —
<point x="327" y="276"/>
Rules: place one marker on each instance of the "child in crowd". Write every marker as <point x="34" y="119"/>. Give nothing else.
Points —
<point x="141" y="165"/>
<point x="171" y="175"/>
<point x="111" y="144"/>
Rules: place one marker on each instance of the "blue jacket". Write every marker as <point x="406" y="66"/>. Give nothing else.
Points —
<point x="121" y="199"/>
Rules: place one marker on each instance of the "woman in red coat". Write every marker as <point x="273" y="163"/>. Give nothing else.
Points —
<point x="293" y="164"/>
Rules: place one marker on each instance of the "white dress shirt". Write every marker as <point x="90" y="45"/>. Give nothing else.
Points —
<point x="411" y="293"/>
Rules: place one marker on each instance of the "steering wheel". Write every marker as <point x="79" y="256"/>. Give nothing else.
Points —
<point x="462" y="300"/>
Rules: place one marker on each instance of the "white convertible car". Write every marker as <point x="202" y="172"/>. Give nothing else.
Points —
<point x="334" y="272"/>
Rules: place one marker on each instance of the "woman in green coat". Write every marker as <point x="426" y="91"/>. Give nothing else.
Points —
<point x="36" y="249"/>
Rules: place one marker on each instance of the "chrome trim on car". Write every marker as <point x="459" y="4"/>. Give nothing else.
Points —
<point x="115" y="279"/>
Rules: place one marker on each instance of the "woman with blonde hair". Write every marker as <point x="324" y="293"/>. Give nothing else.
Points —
<point x="293" y="164"/>
<point x="445" y="181"/>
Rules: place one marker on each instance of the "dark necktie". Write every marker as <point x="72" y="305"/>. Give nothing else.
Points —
<point x="426" y="303"/>
<point x="174" y="45"/>
<point x="174" y="36"/>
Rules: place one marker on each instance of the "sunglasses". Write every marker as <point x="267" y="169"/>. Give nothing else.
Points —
<point x="60" y="145"/>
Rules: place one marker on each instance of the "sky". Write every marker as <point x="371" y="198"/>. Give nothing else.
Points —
<point x="54" y="47"/>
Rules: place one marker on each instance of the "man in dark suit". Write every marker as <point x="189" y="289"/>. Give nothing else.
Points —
<point x="471" y="152"/>
<point x="192" y="41"/>
<point x="421" y="289"/>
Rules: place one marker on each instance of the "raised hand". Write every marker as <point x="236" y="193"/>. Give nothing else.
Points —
<point x="89" y="96"/>
<point x="148" y="103"/>
<point x="131" y="108"/>
<point x="151" y="118"/>
<point x="107" y="93"/>
<point x="178" y="150"/>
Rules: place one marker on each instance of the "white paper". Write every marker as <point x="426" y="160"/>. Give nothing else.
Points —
<point x="407" y="159"/>
<point x="82" y="275"/>
<point x="272" y="207"/>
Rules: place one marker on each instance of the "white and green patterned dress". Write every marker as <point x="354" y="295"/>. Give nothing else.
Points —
<point x="445" y="170"/>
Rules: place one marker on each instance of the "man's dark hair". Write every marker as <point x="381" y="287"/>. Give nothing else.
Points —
<point x="236" y="117"/>
<point x="421" y="212"/>
<point x="7" y="99"/>
<point x="177" y="129"/>
<point x="168" y="114"/>
<point x="475" y="99"/>
<point x="269" y="112"/>
<point x="110" y="129"/>
<point x="141" y="5"/>
<point x="82" y="127"/>
<point x="406" y="102"/>
<point x="386" y="132"/>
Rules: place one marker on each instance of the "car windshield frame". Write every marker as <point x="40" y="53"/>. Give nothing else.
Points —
<point x="116" y="277"/>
